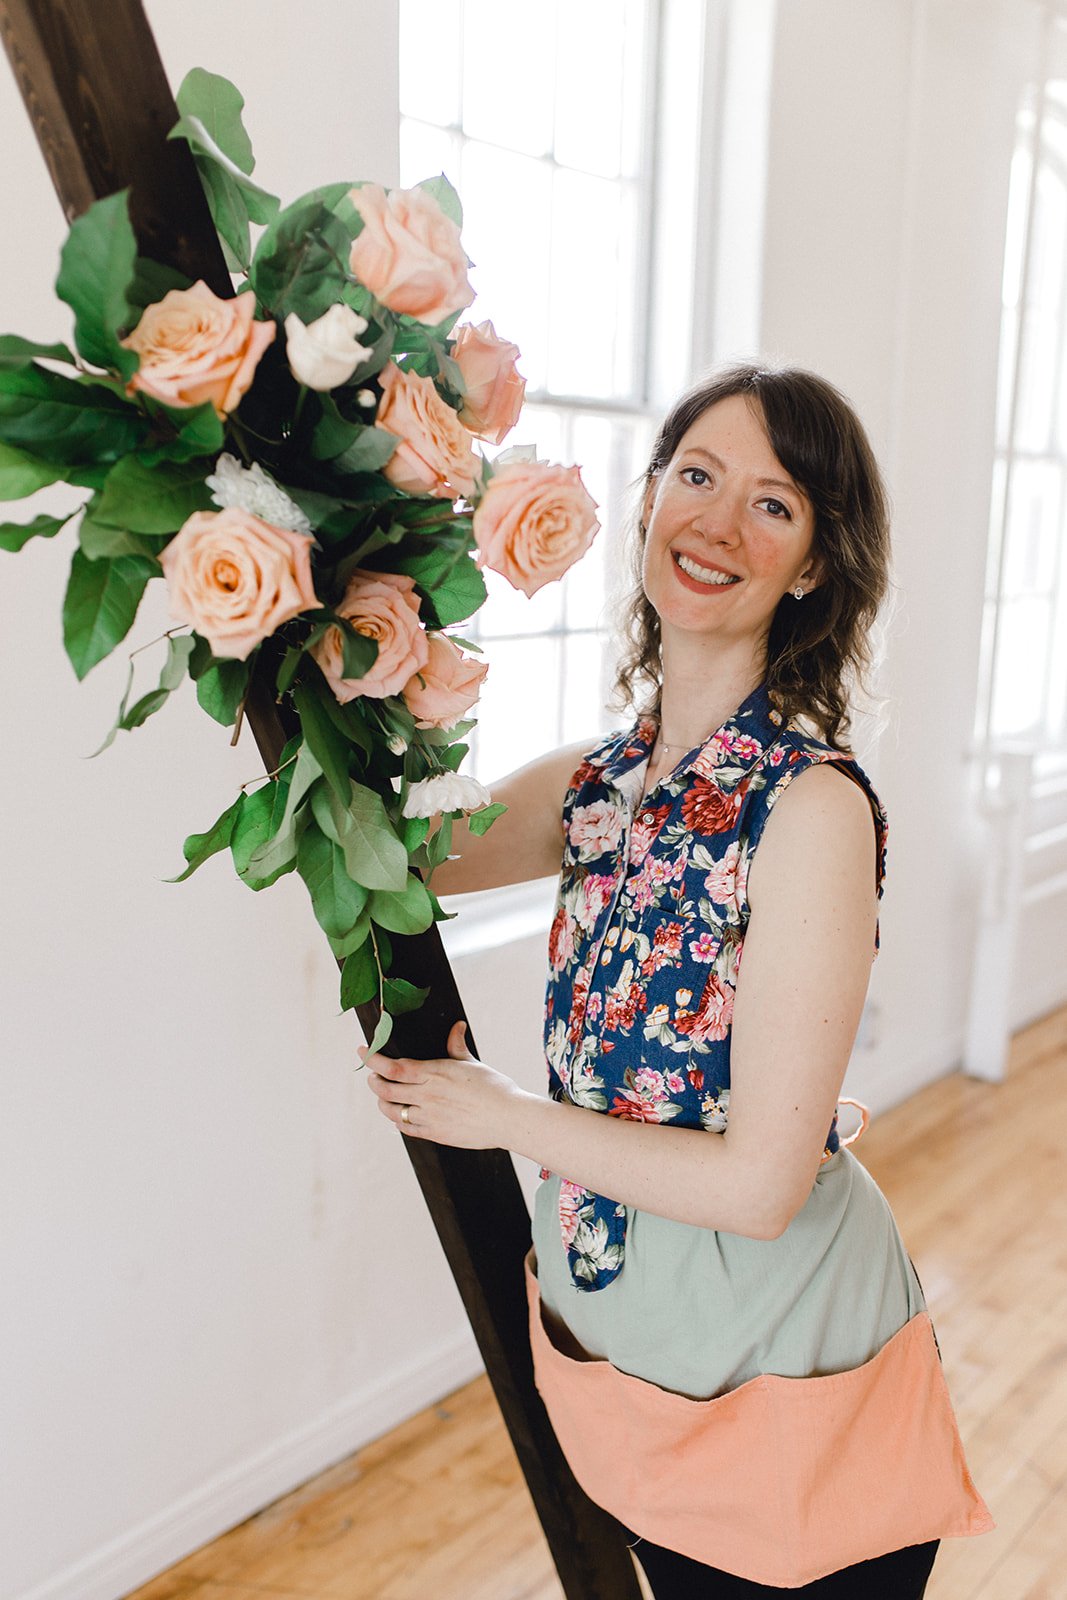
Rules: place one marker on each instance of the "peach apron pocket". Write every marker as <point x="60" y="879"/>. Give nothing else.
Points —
<point x="781" y="1480"/>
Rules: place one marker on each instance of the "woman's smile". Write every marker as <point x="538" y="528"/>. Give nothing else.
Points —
<point x="702" y="575"/>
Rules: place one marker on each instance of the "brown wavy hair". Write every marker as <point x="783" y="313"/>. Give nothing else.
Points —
<point x="818" y="649"/>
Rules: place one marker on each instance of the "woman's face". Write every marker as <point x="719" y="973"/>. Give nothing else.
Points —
<point x="728" y="532"/>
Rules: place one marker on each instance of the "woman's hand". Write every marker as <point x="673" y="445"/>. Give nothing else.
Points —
<point x="458" y="1101"/>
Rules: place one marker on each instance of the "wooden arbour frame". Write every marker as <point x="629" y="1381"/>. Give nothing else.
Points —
<point x="101" y="106"/>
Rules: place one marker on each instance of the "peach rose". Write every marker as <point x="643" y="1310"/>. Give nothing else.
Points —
<point x="446" y="687"/>
<point x="408" y="253"/>
<point x="434" y="455"/>
<point x="236" y="578"/>
<point x="493" y="388"/>
<point x="533" y="522"/>
<point x="383" y="607"/>
<point x="195" y="347"/>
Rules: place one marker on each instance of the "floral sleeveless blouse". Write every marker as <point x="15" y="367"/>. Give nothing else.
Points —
<point x="647" y="936"/>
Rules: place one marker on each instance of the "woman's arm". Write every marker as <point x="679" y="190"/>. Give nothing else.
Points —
<point x="526" y="842"/>
<point x="803" y="977"/>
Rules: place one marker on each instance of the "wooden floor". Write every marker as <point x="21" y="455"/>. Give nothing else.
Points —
<point x="975" y="1172"/>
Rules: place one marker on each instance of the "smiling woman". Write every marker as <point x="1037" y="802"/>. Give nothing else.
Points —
<point x="728" y="1332"/>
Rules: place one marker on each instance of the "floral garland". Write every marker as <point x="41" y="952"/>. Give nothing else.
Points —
<point x="297" y="463"/>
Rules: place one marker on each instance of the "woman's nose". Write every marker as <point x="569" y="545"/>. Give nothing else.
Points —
<point x="719" y="518"/>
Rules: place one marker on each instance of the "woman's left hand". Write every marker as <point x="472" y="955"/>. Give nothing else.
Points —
<point x="457" y="1101"/>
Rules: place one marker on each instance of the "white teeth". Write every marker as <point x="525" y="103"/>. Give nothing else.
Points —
<point x="704" y="574"/>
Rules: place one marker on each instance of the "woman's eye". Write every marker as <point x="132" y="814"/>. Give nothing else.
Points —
<point x="782" y="510"/>
<point x="695" y="475"/>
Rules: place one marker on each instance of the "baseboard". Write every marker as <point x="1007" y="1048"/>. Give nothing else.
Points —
<point x="245" y="1489"/>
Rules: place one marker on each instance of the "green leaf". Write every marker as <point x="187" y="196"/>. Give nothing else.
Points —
<point x="156" y="499"/>
<point x="229" y="213"/>
<point x="199" y="846"/>
<point x="369" y="451"/>
<point x="178" y="652"/>
<point x="380" y="1037"/>
<point x="406" y="912"/>
<point x="102" y="541"/>
<point x="336" y="899"/>
<point x="374" y="855"/>
<point x="97" y="267"/>
<point x="16" y="352"/>
<point x="182" y="432"/>
<point x="326" y="741"/>
<point x="65" y="420"/>
<point x="453" y="587"/>
<point x="441" y="843"/>
<point x="100" y="604"/>
<point x="262" y="205"/>
<point x="445" y="195"/>
<point x="22" y="474"/>
<point x="14" y="535"/>
<point x="360" y="980"/>
<point x="275" y="854"/>
<point x="301" y="262"/>
<point x="217" y="104"/>
<point x="151" y="281"/>
<point x="400" y="996"/>
<point x="354" y="938"/>
<point x="221" y="688"/>
<point x="305" y="773"/>
<point x="415" y="831"/>
<point x="333" y="432"/>
<point x="480" y="822"/>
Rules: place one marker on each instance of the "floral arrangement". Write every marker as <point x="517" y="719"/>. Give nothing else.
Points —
<point x="297" y="463"/>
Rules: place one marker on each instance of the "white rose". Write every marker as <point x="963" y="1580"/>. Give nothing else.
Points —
<point x="325" y="352"/>
<point x="448" y="791"/>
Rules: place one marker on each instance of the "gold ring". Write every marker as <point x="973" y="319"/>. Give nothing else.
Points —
<point x="404" y="1113"/>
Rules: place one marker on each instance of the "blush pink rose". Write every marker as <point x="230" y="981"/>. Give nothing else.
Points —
<point x="493" y="388"/>
<point x="236" y="578"/>
<point x="408" y="253"/>
<point x="533" y="523"/>
<point x="434" y="455"/>
<point x="446" y="687"/>
<point x="384" y="607"/>
<point x="195" y="347"/>
<point x="594" y="830"/>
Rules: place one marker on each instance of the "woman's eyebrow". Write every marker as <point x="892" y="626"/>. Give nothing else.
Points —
<point x="764" y="483"/>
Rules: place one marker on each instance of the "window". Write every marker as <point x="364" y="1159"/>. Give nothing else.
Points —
<point x="1024" y="642"/>
<point x="541" y="115"/>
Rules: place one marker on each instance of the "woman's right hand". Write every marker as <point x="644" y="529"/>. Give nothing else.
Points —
<point x="526" y="841"/>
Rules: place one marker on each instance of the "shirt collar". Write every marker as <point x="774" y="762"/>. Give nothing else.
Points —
<point x="726" y="756"/>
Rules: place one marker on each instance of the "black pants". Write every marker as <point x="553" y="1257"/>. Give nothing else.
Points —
<point x="900" y="1575"/>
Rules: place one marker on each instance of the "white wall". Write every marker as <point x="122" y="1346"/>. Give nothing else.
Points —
<point x="218" y="1272"/>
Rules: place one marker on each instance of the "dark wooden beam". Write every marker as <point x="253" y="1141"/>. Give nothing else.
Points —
<point x="97" y="94"/>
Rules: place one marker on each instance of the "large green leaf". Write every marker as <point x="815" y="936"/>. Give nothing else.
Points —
<point x="103" y="540"/>
<point x="100" y="604"/>
<point x="22" y="474"/>
<point x="302" y="259"/>
<point x="200" y="846"/>
<point x="16" y="351"/>
<point x="327" y="742"/>
<point x="360" y="979"/>
<point x="221" y="688"/>
<point x="65" y="420"/>
<point x="155" y="499"/>
<point x="266" y="859"/>
<point x="337" y="899"/>
<point x="445" y="195"/>
<point x="151" y="281"/>
<point x="96" y="270"/>
<point x="217" y="104"/>
<point x="181" y="432"/>
<point x="452" y="584"/>
<point x="409" y="911"/>
<point x="362" y="830"/>
<point x="399" y="995"/>
<point x="480" y="822"/>
<point x="370" y="450"/>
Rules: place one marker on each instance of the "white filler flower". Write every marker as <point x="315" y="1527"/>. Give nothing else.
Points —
<point x="325" y="353"/>
<point x="252" y="490"/>
<point x="448" y="791"/>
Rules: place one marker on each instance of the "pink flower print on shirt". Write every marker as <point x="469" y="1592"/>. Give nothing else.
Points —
<point x="705" y="947"/>
<point x="592" y="896"/>
<point x="594" y="830"/>
<point x="570" y="1204"/>
<point x="711" y="1020"/>
<point x="650" y="1082"/>
<point x="561" y="940"/>
<point x="635" y="1108"/>
<point x="644" y="831"/>
<point x="666" y="948"/>
<point x="725" y="881"/>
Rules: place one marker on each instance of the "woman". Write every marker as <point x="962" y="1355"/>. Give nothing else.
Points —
<point x="729" y="1335"/>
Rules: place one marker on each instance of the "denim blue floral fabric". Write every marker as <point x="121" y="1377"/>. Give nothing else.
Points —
<point x="647" y="936"/>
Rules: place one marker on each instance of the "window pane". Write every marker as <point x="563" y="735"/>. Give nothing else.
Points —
<point x="430" y="35"/>
<point x="508" y="60"/>
<point x="426" y="151"/>
<point x="506" y="209"/>
<point x="591" y="296"/>
<point x="518" y="713"/>
<point x="584" y="713"/>
<point x="1033" y="527"/>
<point x="1022" y="653"/>
<point x="589" y="84"/>
<point x="509" y="611"/>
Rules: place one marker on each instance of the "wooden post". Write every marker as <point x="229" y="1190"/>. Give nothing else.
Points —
<point x="101" y="106"/>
